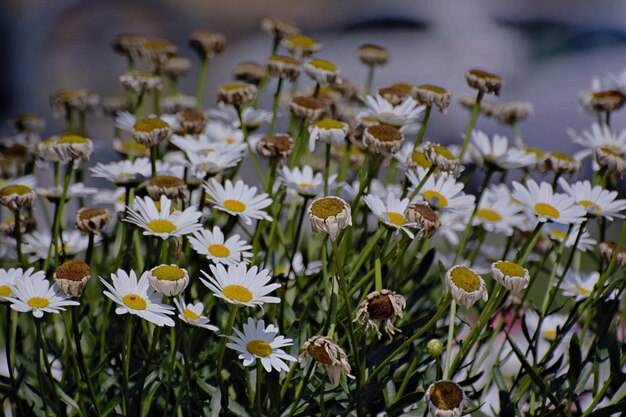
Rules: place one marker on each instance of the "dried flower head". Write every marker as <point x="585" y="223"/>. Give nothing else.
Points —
<point x="611" y="160"/>
<point x="27" y="225"/>
<point x="176" y="66"/>
<point x="64" y="101"/>
<point x="465" y="285"/>
<point x="445" y="399"/>
<point x="373" y="55"/>
<point x="17" y="196"/>
<point x="92" y="220"/>
<point x="177" y="102"/>
<point x="379" y="306"/>
<point x="487" y="107"/>
<point x="441" y="157"/>
<point x="169" y="279"/>
<point x="309" y="108"/>
<point x="394" y="95"/>
<point x="249" y="72"/>
<point x="128" y="44"/>
<point x="321" y="71"/>
<point x="69" y="146"/>
<point x="383" y="139"/>
<point x="171" y="187"/>
<point x="236" y="93"/>
<point x="329" y="131"/>
<point x="276" y="146"/>
<point x="301" y="46"/>
<point x="279" y="28"/>
<point x="72" y="276"/>
<point x="29" y="123"/>
<point x="607" y="249"/>
<point x="112" y="105"/>
<point x="128" y="147"/>
<point x="607" y="100"/>
<point x="156" y="51"/>
<point x="191" y="122"/>
<point x="207" y="43"/>
<point x="280" y="66"/>
<point x="513" y="112"/>
<point x="140" y="82"/>
<point x="149" y="131"/>
<point x="432" y="95"/>
<point x="329" y="215"/>
<point x="328" y="354"/>
<point x="484" y="81"/>
<point x="425" y="217"/>
<point x="512" y="276"/>
<point x="561" y="163"/>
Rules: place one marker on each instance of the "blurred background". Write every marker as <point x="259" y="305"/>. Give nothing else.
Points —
<point x="546" y="51"/>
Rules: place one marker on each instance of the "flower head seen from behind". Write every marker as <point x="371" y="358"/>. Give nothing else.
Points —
<point x="193" y="314"/>
<point x="238" y="200"/>
<point x="33" y="293"/>
<point x="161" y="221"/>
<point x="258" y="342"/>
<point x="241" y="286"/>
<point x="135" y="296"/>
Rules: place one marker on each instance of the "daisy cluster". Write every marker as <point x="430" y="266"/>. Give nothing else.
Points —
<point x="285" y="228"/>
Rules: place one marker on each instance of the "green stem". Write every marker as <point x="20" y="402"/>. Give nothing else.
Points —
<point x="370" y="79"/>
<point x="153" y="159"/>
<point x="89" y="253"/>
<point x="326" y="169"/>
<point x="378" y="275"/>
<point x="446" y="371"/>
<point x="257" y="392"/>
<point x="422" y="182"/>
<point x="523" y="253"/>
<point x="82" y="363"/>
<point x="275" y="106"/>
<point x="126" y="353"/>
<point x="18" y="239"/>
<point x="420" y="134"/>
<point x="9" y="352"/>
<point x="300" y="388"/>
<point x="222" y="350"/>
<point x="470" y="125"/>
<point x="40" y="371"/>
<point x="244" y="129"/>
<point x="58" y="217"/>
<point x="202" y="73"/>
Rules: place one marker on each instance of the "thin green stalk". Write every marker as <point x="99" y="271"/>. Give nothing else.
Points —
<point x="221" y="351"/>
<point x="14" y="394"/>
<point x="446" y="369"/>
<point x="300" y="388"/>
<point x="279" y="87"/>
<point x="59" y="216"/>
<point x="82" y="363"/>
<point x="420" y="133"/>
<point x="470" y="125"/>
<point x="18" y="239"/>
<point x="257" y="392"/>
<point x="89" y="253"/>
<point x="370" y="79"/>
<point x="153" y="159"/>
<point x="202" y="73"/>
<point x="40" y="371"/>
<point x="326" y="169"/>
<point x="422" y="182"/>
<point x="126" y="353"/>
<point x="378" y="275"/>
<point x="523" y="253"/>
<point x="244" y="129"/>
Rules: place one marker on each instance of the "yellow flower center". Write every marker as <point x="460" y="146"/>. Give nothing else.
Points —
<point x="443" y="151"/>
<point x="15" y="189"/>
<point x="323" y="64"/>
<point x="612" y="150"/>
<point x="38" y="302"/>
<point x="149" y="124"/>
<point x="549" y="334"/>
<point x="446" y="395"/>
<point x="301" y="41"/>
<point x="558" y="234"/>
<point x="234" y="86"/>
<point x="5" y="291"/>
<point x="259" y="348"/>
<point x="230" y="141"/>
<point x="329" y="124"/>
<point x="465" y="279"/>
<point x="219" y="251"/>
<point x="546" y="210"/>
<point x="168" y="273"/>
<point x="161" y="226"/>
<point x="590" y="206"/>
<point x="304" y="185"/>
<point x="134" y="301"/>
<point x="237" y="293"/>
<point x="583" y="290"/>
<point x="72" y="139"/>
<point x="190" y="315"/>
<point x="537" y="152"/>
<point x="327" y="207"/>
<point x="489" y="215"/>
<point x="435" y="198"/>
<point x="420" y="159"/>
<point x="510" y="268"/>
<point x="235" y="205"/>
<point x="396" y="218"/>
<point x="561" y="156"/>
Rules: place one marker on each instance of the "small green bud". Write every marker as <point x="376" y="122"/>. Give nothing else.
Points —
<point x="434" y="348"/>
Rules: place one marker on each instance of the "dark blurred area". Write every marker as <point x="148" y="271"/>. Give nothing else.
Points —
<point x="547" y="52"/>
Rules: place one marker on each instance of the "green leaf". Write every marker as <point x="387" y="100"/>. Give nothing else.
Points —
<point x="575" y="359"/>
<point x="609" y="410"/>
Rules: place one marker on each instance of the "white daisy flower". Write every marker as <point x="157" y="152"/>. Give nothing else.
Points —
<point x="126" y="121"/>
<point x="138" y="297"/>
<point x="596" y="200"/>
<point x="546" y="205"/>
<point x="193" y="314"/>
<point x="162" y="222"/>
<point x="70" y="242"/>
<point x="260" y="342"/>
<point x="9" y="278"/>
<point x="111" y="197"/>
<point x="214" y="162"/>
<point x="391" y="213"/>
<point x="496" y="153"/>
<point x="74" y="190"/>
<point x="303" y="181"/>
<point x="213" y="245"/>
<point x="329" y="131"/>
<point x="224" y="134"/>
<point x="33" y="293"/>
<point x="241" y="286"/>
<point x="443" y="193"/>
<point x="27" y="180"/>
<point x="413" y="159"/>
<point x="382" y="111"/>
<point x="452" y="226"/>
<point x="496" y="213"/>
<point x="580" y="285"/>
<point x="558" y="232"/>
<point x="238" y="200"/>
<point x="251" y="117"/>
<point x="599" y="136"/>
<point x="618" y="81"/>
<point x="122" y="172"/>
